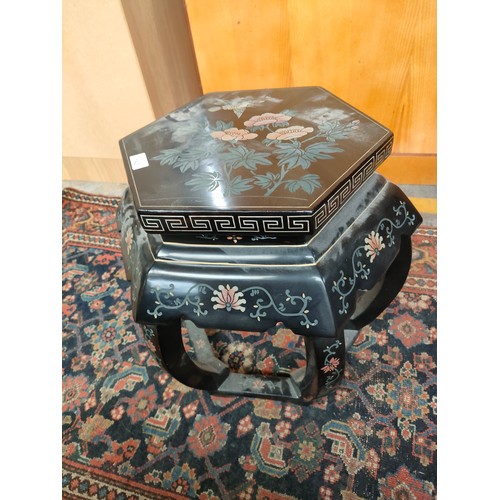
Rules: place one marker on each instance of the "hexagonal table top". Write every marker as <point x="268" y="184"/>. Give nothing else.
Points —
<point x="275" y="161"/>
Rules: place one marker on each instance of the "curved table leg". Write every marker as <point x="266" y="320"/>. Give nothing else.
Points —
<point x="387" y="288"/>
<point x="207" y="374"/>
<point x="324" y="368"/>
<point x="325" y="356"/>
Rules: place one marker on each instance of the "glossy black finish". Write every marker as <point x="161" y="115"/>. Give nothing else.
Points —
<point x="339" y="280"/>
<point x="275" y="164"/>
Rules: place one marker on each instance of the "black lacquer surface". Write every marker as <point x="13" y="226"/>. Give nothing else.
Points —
<point x="253" y="208"/>
<point x="339" y="280"/>
<point x="275" y="163"/>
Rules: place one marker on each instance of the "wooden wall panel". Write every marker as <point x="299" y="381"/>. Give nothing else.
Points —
<point x="125" y="63"/>
<point x="93" y="169"/>
<point x="379" y="55"/>
<point x="104" y="96"/>
<point x="162" y="40"/>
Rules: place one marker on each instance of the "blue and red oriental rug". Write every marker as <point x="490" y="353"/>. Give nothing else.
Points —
<point x="132" y="432"/>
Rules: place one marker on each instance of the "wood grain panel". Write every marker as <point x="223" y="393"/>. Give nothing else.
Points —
<point x="103" y="93"/>
<point x="424" y="205"/>
<point x="410" y="169"/>
<point x="162" y="40"/>
<point x="93" y="169"/>
<point x="379" y="55"/>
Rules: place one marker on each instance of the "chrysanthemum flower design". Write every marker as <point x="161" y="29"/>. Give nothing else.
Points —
<point x="228" y="298"/>
<point x="266" y="119"/>
<point x="285" y="134"/>
<point x="233" y="134"/>
<point x="374" y="244"/>
<point x="331" y="365"/>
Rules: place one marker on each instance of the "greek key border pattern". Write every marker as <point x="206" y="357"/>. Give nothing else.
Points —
<point x="254" y="224"/>
<point x="268" y="224"/>
<point x="333" y="204"/>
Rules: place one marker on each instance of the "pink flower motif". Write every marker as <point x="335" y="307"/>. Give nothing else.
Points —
<point x="96" y="305"/>
<point x="233" y="134"/>
<point x="117" y="413"/>
<point x="285" y="134"/>
<point x="207" y="435"/>
<point x="326" y="493"/>
<point x="293" y="412"/>
<point x="141" y="405"/>
<point x="331" y="365"/>
<point x="91" y="402"/>
<point x="245" y="425"/>
<point x="402" y="484"/>
<point x="228" y="298"/>
<point x="266" y="119"/>
<point x="168" y="393"/>
<point x="190" y="410"/>
<point x="75" y="390"/>
<point x="268" y="365"/>
<point x="283" y="429"/>
<point x="331" y="474"/>
<point x="409" y="330"/>
<point x="373" y="245"/>
<point x="381" y="338"/>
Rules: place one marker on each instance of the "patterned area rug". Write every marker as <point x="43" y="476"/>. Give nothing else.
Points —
<point x="132" y="432"/>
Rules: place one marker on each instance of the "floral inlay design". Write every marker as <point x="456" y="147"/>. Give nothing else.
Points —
<point x="232" y="158"/>
<point x="230" y="299"/>
<point x="234" y="238"/>
<point x="331" y="366"/>
<point x="374" y="245"/>
<point x="233" y="134"/>
<point x="267" y="119"/>
<point x="333" y="363"/>
<point x="289" y="133"/>
<point x="239" y="104"/>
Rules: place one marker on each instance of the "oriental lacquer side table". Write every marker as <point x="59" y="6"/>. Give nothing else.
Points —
<point x="253" y="208"/>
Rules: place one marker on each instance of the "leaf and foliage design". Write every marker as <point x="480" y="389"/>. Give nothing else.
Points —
<point x="216" y="152"/>
<point x="375" y="243"/>
<point x="258" y="300"/>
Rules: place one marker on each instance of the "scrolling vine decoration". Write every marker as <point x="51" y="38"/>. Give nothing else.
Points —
<point x="332" y="365"/>
<point x="345" y="285"/>
<point x="230" y="298"/>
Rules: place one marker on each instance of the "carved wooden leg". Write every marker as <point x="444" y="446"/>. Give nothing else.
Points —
<point x="387" y="288"/>
<point x="324" y="367"/>
<point x="326" y="364"/>
<point x="206" y="374"/>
